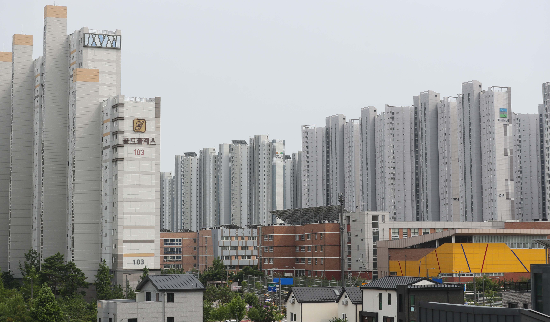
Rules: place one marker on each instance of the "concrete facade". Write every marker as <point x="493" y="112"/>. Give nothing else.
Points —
<point x="21" y="148"/>
<point x="544" y="127"/>
<point x="239" y="169"/>
<point x="166" y="200"/>
<point x="260" y="175"/>
<point x="353" y="193"/>
<point x="5" y="132"/>
<point x="527" y="167"/>
<point x="313" y="169"/>
<point x="224" y="184"/>
<point x="208" y="189"/>
<point x="497" y="157"/>
<point x="335" y="181"/>
<point x="368" y="158"/>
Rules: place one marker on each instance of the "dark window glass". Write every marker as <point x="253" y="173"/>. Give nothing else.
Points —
<point x="132" y="320"/>
<point x="169" y="319"/>
<point x="147" y="296"/>
<point x="389" y="298"/>
<point x="379" y="301"/>
<point x="400" y="302"/>
<point x="170" y="297"/>
<point x="538" y="292"/>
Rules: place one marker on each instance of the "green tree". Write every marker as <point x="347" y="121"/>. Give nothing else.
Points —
<point x="218" y="293"/>
<point x="207" y="311"/>
<point x="265" y="313"/>
<point x="32" y="260"/>
<point x="144" y="274"/>
<point x="106" y="290"/>
<point x="64" y="278"/>
<point x="247" y="271"/>
<point x="221" y="313"/>
<point x="45" y="308"/>
<point x="12" y="305"/>
<point x="237" y="308"/>
<point x="75" y="308"/>
<point x="31" y="283"/>
<point x="129" y="292"/>
<point x="216" y="272"/>
<point x="251" y="299"/>
<point x="8" y="280"/>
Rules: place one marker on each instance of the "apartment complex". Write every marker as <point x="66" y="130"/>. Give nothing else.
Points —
<point x="455" y="159"/>
<point x="237" y="186"/>
<point x="82" y="171"/>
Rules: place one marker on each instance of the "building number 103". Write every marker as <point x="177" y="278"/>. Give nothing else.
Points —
<point x="139" y="262"/>
<point x="139" y="152"/>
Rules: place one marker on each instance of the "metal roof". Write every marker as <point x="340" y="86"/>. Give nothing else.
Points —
<point x="355" y="294"/>
<point x="172" y="282"/>
<point x="302" y="216"/>
<point x="316" y="294"/>
<point x="391" y="282"/>
<point x="543" y="242"/>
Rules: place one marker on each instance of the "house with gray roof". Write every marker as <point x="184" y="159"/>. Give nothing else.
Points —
<point x="350" y="304"/>
<point x="170" y="298"/>
<point x="312" y="304"/>
<point x="396" y="298"/>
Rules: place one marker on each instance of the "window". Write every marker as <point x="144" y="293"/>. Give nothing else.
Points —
<point x="308" y="236"/>
<point x="344" y="317"/>
<point x="380" y="301"/>
<point x="405" y="233"/>
<point x="414" y="232"/>
<point x="132" y="320"/>
<point x="297" y="237"/>
<point x="157" y="297"/>
<point x="425" y="231"/>
<point x="148" y="296"/>
<point x="400" y="302"/>
<point x="309" y="248"/>
<point x="411" y="302"/>
<point x="292" y="317"/>
<point x="394" y="233"/>
<point x="297" y="248"/>
<point x="170" y="319"/>
<point x="309" y="261"/>
<point x="170" y="297"/>
<point x="389" y="298"/>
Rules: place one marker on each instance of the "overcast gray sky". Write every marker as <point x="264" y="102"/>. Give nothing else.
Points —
<point x="230" y="69"/>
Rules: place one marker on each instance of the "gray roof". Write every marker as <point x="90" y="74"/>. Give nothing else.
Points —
<point x="173" y="282"/>
<point x="355" y="295"/>
<point x="316" y="294"/>
<point x="391" y="282"/>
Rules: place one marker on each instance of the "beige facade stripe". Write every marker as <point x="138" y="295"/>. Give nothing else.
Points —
<point x="36" y="76"/>
<point x="22" y="40"/>
<point x="37" y="86"/>
<point x="107" y="121"/>
<point x="4" y="56"/>
<point x="55" y="12"/>
<point x="86" y="75"/>
<point x="74" y="51"/>
<point x="140" y="255"/>
<point x="105" y="134"/>
<point x="72" y="63"/>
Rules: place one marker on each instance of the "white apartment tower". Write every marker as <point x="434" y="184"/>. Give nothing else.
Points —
<point x="394" y="177"/>
<point x="469" y="127"/>
<point x="313" y="179"/>
<point x="527" y="167"/>
<point x="166" y="200"/>
<point x="130" y="207"/>
<point x="426" y="178"/>
<point x="544" y="128"/>
<point x="239" y="171"/>
<point x="368" y="158"/>
<point x="277" y="175"/>
<point x="21" y="150"/>
<point x="224" y="184"/>
<point x="289" y="177"/>
<point x="260" y="176"/>
<point x="5" y="131"/>
<point x="449" y="170"/>
<point x="186" y="188"/>
<point x="298" y="175"/>
<point x="208" y="189"/>
<point x="353" y="194"/>
<point x="335" y="157"/>
<point x="497" y="157"/>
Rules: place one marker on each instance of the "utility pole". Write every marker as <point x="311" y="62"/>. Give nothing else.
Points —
<point x="343" y="244"/>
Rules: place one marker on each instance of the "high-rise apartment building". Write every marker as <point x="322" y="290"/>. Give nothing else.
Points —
<point x="5" y="132"/>
<point x="449" y="169"/>
<point x="277" y="178"/>
<point x="395" y="159"/>
<point x="239" y="188"/>
<point x="469" y="124"/>
<point x="21" y="150"/>
<point x="166" y="200"/>
<point x="335" y="158"/>
<point x="426" y="156"/>
<point x="208" y="189"/>
<point x="544" y="128"/>
<point x="497" y="157"/>
<point x="260" y="190"/>
<point x="313" y="169"/>
<point x="224" y="184"/>
<point x="368" y="158"/>
<point x="353" y="192"/>
<point x="130" y="220"/>
<point x="527" y="167"/>
<point x="186" y="188"/>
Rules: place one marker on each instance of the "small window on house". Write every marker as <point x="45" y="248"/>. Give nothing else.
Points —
<point x="170" y="297"/>
<point x="411" y="303"/>
<point x="389" y="298"/>
<point x="132" y="320"/>
<point x="380" y="301"/>
<point x="157" y="297"/>
<point x="148" y="296"/>
<point x="170" y="319"/>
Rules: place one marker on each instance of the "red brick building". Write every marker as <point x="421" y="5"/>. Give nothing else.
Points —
<point x="187" y="251"/>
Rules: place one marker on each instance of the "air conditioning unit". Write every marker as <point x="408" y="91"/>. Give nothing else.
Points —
<point x="292" y="301"/>
<point x="345" y="302"/>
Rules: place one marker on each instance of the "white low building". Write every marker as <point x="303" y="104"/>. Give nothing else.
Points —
<point x="350" y="304"/>
<point x="170" y="298"/>
<point x="312" y="304"/>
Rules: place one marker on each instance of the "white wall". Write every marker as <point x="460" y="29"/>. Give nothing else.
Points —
<point x="370" y="303"/>
<point x="350" y="310"/>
